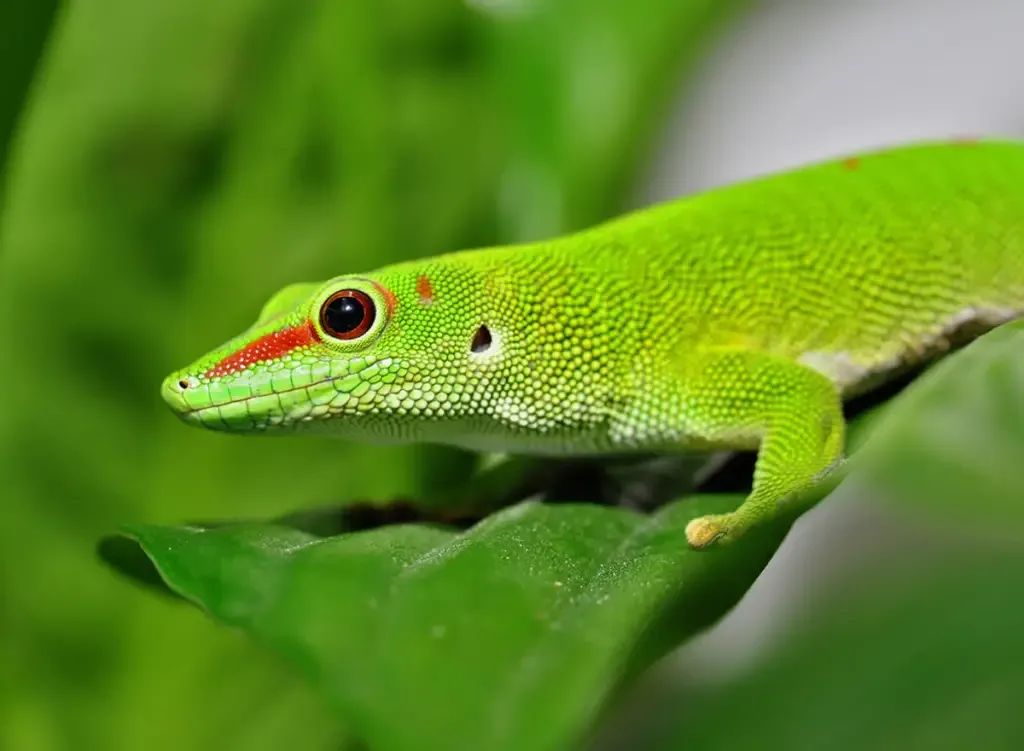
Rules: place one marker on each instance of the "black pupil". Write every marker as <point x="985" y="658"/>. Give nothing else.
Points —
<point x="344" y="314"/>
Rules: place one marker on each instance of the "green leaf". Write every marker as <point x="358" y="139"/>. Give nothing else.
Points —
<point x="509" y="636"/>
<point x="950" y="447"/>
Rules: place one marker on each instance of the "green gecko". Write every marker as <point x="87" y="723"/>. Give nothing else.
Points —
<point x="736" y="319"/>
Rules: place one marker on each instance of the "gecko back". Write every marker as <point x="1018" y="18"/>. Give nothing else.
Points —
<point x="858" y="266"/>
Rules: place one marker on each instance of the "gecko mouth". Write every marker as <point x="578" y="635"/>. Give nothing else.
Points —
<point x="257" y="412"/>
<point x="210" y="405"/>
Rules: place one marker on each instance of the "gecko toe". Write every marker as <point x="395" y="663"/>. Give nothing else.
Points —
<point x="705" y="531"/>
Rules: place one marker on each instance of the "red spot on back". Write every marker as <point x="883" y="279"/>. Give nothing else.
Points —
<point x="851" y="162"/>
<point x="268" y="347"/>
<point x="424" y="289"/>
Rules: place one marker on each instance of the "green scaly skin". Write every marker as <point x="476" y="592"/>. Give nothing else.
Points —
<point x="735" y="319"/>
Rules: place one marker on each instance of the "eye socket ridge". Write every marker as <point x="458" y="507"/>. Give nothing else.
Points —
<point x="347" y="314"/>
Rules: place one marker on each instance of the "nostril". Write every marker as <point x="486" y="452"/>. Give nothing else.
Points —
<point x="183" y="384"/>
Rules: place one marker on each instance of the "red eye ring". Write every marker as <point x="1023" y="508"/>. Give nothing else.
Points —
<point x="347" y="314"/>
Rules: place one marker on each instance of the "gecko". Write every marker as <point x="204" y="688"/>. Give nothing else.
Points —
<point x="738" y="318"/>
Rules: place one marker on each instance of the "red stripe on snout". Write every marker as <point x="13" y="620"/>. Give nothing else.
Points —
<point x="268" y="347"/>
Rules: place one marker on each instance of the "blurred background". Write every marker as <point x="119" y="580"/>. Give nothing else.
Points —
<point x="176" y="161"/>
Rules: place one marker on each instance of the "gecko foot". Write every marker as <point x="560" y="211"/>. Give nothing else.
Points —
<point x="706" y="531"/>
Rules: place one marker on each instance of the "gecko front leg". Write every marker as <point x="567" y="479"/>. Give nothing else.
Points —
<point x="794" y="414"/>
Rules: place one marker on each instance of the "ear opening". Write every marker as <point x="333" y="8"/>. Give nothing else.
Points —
<point x="481" y="340"/>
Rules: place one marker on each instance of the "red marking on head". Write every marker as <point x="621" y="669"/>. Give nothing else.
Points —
<point x="389" y="297"/>
<point x="424" y="289"/>
<point x="267" y="347"/>
<point x="851" y="163"/>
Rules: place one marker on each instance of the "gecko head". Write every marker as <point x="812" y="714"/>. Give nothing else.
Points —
<point x="378" y="357"/>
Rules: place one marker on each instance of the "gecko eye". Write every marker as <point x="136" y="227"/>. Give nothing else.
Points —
<point x="347" y="314"/>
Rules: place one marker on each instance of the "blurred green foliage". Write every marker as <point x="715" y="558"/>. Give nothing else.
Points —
<point x="949" y="450"/>
<point x="922" y="658"/>
<point x="179" y="162"/>
<point x="24" y="27"/>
